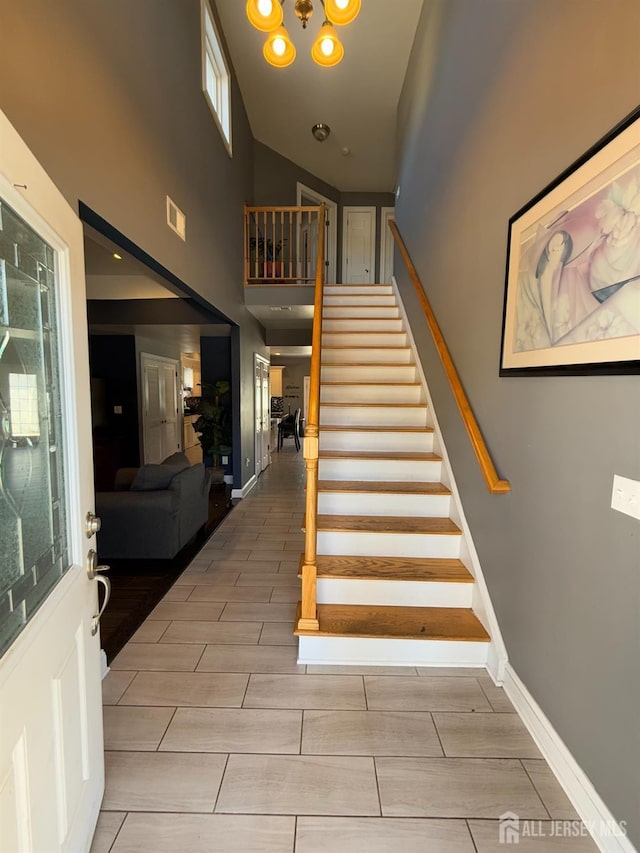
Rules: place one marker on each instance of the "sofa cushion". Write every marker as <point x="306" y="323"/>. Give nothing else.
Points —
<point x="177" y="460"/>
<point x="153" y="478"/>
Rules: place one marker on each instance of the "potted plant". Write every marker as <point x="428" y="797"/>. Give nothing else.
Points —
<point x="269" y="252"/>
<point x="214" y="424"/>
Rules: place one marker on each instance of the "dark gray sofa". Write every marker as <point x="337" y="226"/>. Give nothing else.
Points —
<point x="154" y="511"/>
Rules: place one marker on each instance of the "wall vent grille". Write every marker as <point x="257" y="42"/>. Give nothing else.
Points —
<point x="176" y="220"/>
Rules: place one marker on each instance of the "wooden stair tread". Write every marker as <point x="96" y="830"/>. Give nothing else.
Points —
<point x="388" y="524"/>
<point x="382" y="487"/>
<point x="362" y="331"/>
<point x="369" y="428"/>
<point x="398" y="623"/>
<point x="422" y="569"/>
<point x="419" y="455"/>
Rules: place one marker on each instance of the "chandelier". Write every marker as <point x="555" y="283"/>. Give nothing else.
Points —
<point x="327" y="50"/>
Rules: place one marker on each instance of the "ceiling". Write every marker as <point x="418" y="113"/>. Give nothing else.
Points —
<point x="123" y="277"/>
<point x="358" y="98"/>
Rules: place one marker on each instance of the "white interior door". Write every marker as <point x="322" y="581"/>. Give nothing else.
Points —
<point x="262" y="410"/>
<point x="51" y="746"/>
<point x="358" y="245"/>
<point x="160" y="417"/>
<point x="386" y="245"/>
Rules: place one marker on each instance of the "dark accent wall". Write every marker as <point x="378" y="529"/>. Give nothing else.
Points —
<point x="110" y="102"/>
<point x="215" y="359"/>
<point x="514" y="93"/>
<point x="112" y="360"/>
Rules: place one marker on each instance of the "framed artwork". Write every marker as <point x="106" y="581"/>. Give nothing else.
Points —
<point x="572" y="293"/>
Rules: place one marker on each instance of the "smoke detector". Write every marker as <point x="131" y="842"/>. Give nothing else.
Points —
<point x="321" y="131"/>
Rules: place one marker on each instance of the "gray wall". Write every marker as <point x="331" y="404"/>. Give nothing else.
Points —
<point x="275" y="182"/>
<point x="108" y="96"/>
<point x="516" y="92"/>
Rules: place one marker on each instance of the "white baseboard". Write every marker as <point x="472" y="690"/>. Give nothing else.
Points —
<point x="584" y="797"/>
<point x="244" y="491"/>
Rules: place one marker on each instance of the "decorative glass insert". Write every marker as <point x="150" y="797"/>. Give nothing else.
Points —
<point x="34" y="550"/>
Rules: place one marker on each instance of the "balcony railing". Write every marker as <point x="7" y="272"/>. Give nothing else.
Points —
<point x="281" y="245"/>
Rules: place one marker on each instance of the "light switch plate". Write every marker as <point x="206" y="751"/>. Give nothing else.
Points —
<point x="117" y="410"/>
<point x="625" y="496"/>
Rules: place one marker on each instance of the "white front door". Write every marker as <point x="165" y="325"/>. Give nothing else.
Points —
<point x="51" y="746"/>
<point x="160" y="423"/>
<point x="358" y="245"/>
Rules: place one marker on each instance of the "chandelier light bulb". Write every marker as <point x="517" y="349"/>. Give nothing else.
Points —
<point x="327" y="46"/>
<point x="279" y="46"/>
<point x="341" y="12"/>
<point x="265" y="15"/>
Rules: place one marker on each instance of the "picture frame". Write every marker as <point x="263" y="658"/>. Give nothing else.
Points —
<point x="572" y="287"/>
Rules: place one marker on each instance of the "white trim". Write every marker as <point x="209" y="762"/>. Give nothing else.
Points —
<point x="244" y="491"/>
<point x="587" y="802"/>
<point x="376" y="651"/>
<point x="386" y="243"/>
<point x="482" y="605"/>
<point x="332" y="243"/>
<point x="372" y="262"/>
<point x="212" y="49"/>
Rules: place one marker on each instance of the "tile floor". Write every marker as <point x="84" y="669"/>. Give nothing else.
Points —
<point x="216" y="740"/>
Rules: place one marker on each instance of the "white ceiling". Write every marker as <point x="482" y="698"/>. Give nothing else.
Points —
<point x="358" y="98"/>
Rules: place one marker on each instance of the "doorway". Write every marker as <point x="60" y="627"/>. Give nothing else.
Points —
<point x="307" y="196"/>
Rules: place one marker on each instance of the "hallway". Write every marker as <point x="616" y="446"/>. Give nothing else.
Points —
<point x="216" y="740"/>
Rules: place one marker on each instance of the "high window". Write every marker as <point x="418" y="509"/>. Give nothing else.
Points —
<point x="216" y="79"/>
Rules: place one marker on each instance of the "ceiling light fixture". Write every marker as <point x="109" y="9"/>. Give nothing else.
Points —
<point x="321" y="131"/>
<point x="327" y="49"/>
<point x="117" y="256"/>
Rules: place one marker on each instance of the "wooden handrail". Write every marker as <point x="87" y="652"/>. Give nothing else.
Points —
<point x="284" y="208"/>
<point x="494" y="484"/>
<point x="308" y="620"/>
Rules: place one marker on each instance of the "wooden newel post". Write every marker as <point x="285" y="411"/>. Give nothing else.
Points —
<point x="309" y="615"/>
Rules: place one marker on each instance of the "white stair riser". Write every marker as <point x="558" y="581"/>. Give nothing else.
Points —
<point x="353" y="300"/>
<point x="390" y="470"/>
<point x="363" y="339"/>
<point x="351" y="544"/>
<point x="378" y="440"/>
<point x="383" y="652"/>
<point x="368" y="325"/>
<point x="370" y="394"/>
<point x="368" y="373"/>
<point x="347" y="415"/>
<point x="365" y="355"/>
<point x="359" y="290"/>
<point x="370" y="503"/>
<point x="394" y="593"/>
<point x="380" y="312"/>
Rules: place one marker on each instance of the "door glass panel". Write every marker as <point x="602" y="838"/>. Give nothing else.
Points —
<point x="33" y="539"/>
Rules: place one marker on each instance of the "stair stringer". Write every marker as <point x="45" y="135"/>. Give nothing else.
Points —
<point x="482" y="605"/>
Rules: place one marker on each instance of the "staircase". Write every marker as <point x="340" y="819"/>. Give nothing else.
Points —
<point x="392" y="587"/>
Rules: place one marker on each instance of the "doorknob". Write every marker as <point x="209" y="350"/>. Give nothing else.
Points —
<point x="92" y="524"/>
<point x="93" y="568"/>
